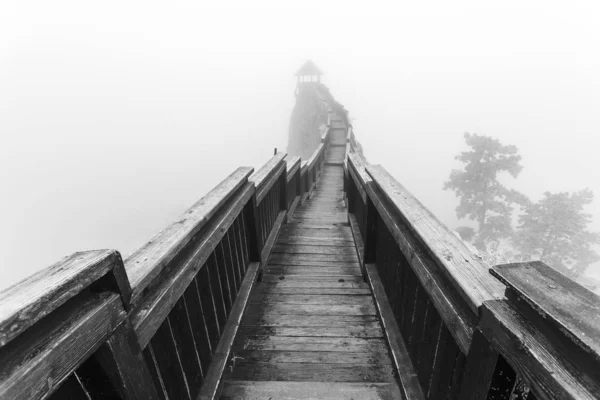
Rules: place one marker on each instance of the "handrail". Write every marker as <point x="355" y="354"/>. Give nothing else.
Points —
<point x="75" y="305"/>
<point x="293" y="166"/>
<point x="464" y="269"/>
<point x="91" y="313"/>
<point x="25" y="303"/>
<point x="149" y="260"/>
<point x="465" y="332"/>
<point x="265" y="177"/>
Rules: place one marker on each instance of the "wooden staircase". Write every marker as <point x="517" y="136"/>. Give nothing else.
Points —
<point x="311" y="328"/>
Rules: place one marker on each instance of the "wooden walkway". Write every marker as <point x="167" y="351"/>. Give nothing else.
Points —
<point x="311" y="328"/>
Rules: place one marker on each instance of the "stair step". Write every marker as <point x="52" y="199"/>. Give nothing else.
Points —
<point x="263" y="390"/>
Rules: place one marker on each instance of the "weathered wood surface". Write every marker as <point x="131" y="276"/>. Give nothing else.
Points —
<point x="552" y="372"/>
<point x="38" y="360"/>
<point x="409" y="383"/>
<point x="148" y="261"/>
<point x="312" y="318"/>
<point x="268" y="175"/>
<point x="222" y="352"/>
<point x="149" y="313"/>
<point x="464" y="270"/>
<point x="293" y="166"/>
<point x="25" y="303"/>
<point x="253" y="390"/>
<point x="570" y="308"/>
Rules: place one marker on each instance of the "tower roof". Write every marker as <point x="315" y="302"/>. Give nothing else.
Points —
<point x="309" y="69"/>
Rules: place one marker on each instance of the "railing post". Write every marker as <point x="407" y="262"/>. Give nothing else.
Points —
<point x="121" y="359"/>
<point x="479" y="369"/>
<point x="252" y="233"/>
<point x="370" y="228"/>
<point x="283" y="204"/>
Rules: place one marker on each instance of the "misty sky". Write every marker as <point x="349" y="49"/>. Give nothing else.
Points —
<point x="116" y="116"/>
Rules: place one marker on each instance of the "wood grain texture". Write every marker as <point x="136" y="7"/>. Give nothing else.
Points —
<point x="153" y="308"/>
<point x="148" y="261"/>
<point x="221" y="354"/>
<point x="457" y="316"/>
<point x="312" y="317"/>
<point x="409" y="384"/>
<point x="573" y="309"/>
<point x="268" y="175"/>
<point x="25" y="303"/>
<point x="265" y="390"/>
<point x="551" y="373"/>
<point x="464" y="270"/>
<point x="37" y="361"/>
<point x="122" y="360"/>
<point x="293" y="166"/>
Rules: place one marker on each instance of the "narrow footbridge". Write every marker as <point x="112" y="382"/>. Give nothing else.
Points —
<point x="306" y="279"/>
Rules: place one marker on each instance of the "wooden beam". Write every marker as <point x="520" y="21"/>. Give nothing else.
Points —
<point x="221" y="356"/>
<point x="570" y="308"/>
<point x="465" y="271"/>
<point x="548" y="370"/>
<point x="28" y="301"/>
<point x="36" y="362"/>
<point x="150" y="260"/>
<point x="122" y="360"/>
<point x="267" y="175"/>
<point x="151" y="311"/>
<point x="409" y="383"/>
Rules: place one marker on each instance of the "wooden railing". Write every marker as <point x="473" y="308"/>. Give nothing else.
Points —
<point x="455" y="331"/>
<point x="161" y="324"/>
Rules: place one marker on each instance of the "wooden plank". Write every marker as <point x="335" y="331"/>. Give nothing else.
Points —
<point x="170" y="368"/>
<point x="71" y="389"/>
<point x="479" y="369"/>
<point x="292" y="208"/>
<point x="571" y="308"/>
<point x="264" y="390"/>
<point x="196" y="315"/>
<point x="311" y="299"/>
<point x="307" y="249"/>
<point x="313" y="309"/>
<point x="122" y="360"/>
<point x="358" y="242"/>
<point x="293" y="166"/>
<point x="270" y="288"/>
<point x="276" y="278"/>
<point x="215" y="372"/>
<point x="153" y="308"/>
<point x="443" y="363"/>
<point x="371" y="330"/>
<point x="149" y="260"/>
<point x="409" y="384"/>
<point x="290" y="343"/>
<point x="312" y="372"/>
<point x="36" y="361"/>
<point x="457" y="315"/>
<point x="316" y="284"/>
<point x="308" y="241"/>
<point x="280" y="258"/>
<point x="267" y="175"/>
<point x="336" y="321"/>
<point x="312" y="271"/>
<point x="315" y="234"/>
<point x="464" y="270"/>
<point x="273" y="235"/>
<point x="28" y="301"/>
<point x="310" y="357"/>
<point x="546" y="369"/>
<point x="183" y="335"/>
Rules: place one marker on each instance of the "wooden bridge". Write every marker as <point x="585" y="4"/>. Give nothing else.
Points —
<point x="321" y="278"/>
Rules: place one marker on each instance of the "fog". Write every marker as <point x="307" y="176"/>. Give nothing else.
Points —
<point x="117" y="116"/>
